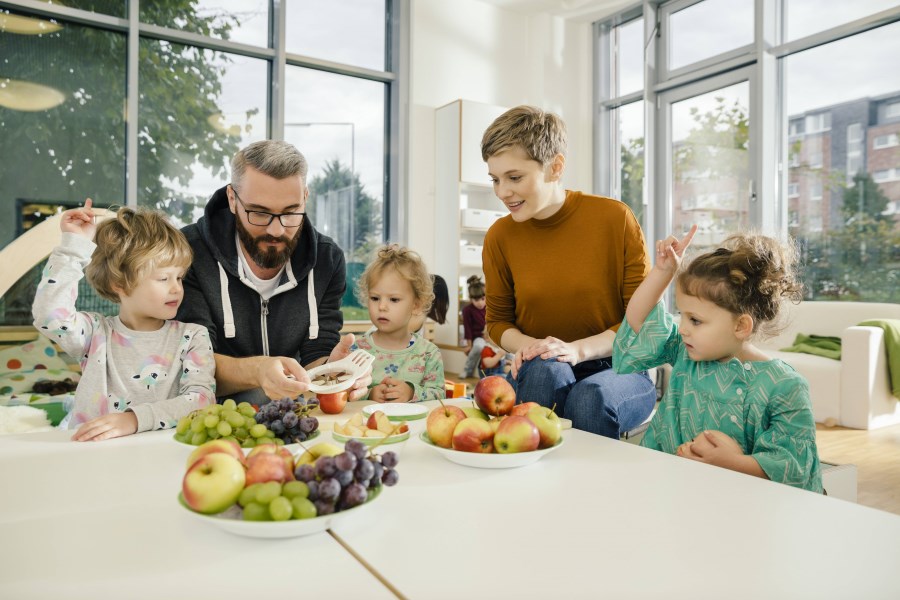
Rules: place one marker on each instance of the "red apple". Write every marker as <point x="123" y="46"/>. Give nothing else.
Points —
<point x="334" y="403"/>
<point x="227" y="446"/>
<point x="213" y="483"/>
<point x="494" y="395"/>
<point x="273" y="449"/>
<point x="268" y="467"/>
<point x="522" y="409"/>
<point x="473" y="435"/>
<point x="441" y="423"/>
<point x="548" y="424"/>
<point x="516" y="434"/>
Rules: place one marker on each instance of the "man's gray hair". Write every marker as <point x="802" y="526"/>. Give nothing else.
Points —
<point x="274" y="158"/>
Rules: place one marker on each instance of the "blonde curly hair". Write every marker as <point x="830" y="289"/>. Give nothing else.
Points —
<point x="408" y="264"/>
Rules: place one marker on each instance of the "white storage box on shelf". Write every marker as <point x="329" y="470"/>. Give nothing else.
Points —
<point x="470" y="255"/>
<point x="480" y="219"/>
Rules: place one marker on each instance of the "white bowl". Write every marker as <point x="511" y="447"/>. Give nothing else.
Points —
<point x="489" y="461"/>
<point x="404" y="411"/>
<point x="231" y="521"/>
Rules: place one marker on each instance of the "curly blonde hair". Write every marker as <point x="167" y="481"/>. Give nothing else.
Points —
<point x="748" y="274"/>
<point x="130" y="246"/>
<point x="408" y="264"/>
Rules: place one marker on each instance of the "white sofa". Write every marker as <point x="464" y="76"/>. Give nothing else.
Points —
<point x="855" y="391"/>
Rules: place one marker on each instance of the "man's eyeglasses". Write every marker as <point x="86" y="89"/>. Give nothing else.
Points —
<point x="261" y="218"/>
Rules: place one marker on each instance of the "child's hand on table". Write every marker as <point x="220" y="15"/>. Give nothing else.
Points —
<point x="106" y="427"/>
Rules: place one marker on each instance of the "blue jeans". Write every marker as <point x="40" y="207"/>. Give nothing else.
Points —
<point x="473" y="359"/>
<point x="591" y="394"/>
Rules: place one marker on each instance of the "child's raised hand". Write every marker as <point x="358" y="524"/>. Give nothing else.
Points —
<point x="79" y="221"/>
<point x="670" y="251"/>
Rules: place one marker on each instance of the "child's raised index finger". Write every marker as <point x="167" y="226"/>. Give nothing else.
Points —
<point x="686" y="240"/>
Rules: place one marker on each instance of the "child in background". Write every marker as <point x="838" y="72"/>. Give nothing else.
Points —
<point x="408" y="368"/>
<point x="494" y="360"/>
<point x="438" y="310"/>
<point x="727" y="404"/>
<point x="140" y="370"/>
<point x="473" y="325"/>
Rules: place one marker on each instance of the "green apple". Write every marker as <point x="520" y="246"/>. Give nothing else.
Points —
<point x="441" y="423"/>
<point x="548" y="424"/>
<point x="516" y="434"/>
<point x="473" y="435"/>
<point x="477" y="413"/>
<point x="213" y="483"/>
<point x="320" y="449"/>
<point x="227" y="446"/>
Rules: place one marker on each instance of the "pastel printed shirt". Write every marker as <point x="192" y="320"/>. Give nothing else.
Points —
<point x="159" y="375"/>
<point x="419" y="364"/>
<point x="763" y="405"/>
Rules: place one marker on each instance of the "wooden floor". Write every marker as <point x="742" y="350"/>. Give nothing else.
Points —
<point x="876" y="455"/>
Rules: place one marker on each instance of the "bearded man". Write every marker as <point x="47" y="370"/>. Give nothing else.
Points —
<point x="264" y="282"/>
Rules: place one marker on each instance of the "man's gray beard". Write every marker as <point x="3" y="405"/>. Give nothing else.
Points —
<point x="269" y="258"/>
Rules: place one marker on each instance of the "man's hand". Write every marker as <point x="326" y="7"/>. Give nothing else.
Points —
<point x="106" y="427"/>
<point x="281" y="377"/>
<point x="361" y="386"/>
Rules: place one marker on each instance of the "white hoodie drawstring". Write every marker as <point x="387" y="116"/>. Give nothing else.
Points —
<point x="228" y="314"/>
<point x="313" y="309"/>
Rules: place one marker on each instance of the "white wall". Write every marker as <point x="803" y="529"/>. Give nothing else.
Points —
<point x="475" y="51"/>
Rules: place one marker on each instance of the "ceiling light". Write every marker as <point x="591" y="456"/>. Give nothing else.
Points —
<point x="26" y="25"/>
<point x="27" y="96"/>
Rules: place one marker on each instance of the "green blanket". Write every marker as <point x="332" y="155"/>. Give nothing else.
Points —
<point x="820" y="345"/>
<point x="892" y="345"/>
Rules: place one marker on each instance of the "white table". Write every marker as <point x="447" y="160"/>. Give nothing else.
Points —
<point x="602" y="518"/>
<point x="101" y="520"/>
<point x="594" y="518"/>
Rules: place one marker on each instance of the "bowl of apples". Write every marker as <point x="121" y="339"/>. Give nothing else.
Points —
<point x="377" y="429"/>
<point x="269" y="494"/>
<point x="495" y="434"/>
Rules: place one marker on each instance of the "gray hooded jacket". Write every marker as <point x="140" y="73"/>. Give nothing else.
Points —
<point x="239" y="321"/>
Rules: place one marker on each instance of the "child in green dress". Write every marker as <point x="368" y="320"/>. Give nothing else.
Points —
<point x="396" y="287"/>
<point x="727" y="404"/>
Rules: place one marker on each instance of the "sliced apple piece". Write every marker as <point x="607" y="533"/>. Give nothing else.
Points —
<point x="374" y="433"/>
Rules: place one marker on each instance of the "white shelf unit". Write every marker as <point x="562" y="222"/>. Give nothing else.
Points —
<point x="465" y="204"/>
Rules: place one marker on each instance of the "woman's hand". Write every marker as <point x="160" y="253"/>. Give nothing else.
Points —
<point x="79" y="221"/>
<point x="106" y="427"/>
<point x="549" y="347"/>
<point x="670" y="251"/>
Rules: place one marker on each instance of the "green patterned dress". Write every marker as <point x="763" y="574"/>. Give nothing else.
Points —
<point x="763" y="405"/>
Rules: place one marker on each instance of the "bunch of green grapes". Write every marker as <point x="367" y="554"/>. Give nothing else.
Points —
<point x="272" y="501"/>
<point x="230" y="421"/>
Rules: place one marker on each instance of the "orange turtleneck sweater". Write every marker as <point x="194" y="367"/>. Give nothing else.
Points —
<point x="569" y="276"/>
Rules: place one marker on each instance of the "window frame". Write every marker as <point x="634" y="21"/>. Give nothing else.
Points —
<point x="395" y="77"/>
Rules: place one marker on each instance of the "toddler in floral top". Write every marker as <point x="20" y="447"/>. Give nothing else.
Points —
<point x="396" y="287"/>
<point x="727" y="404"/>
<point x="141" y="370"/>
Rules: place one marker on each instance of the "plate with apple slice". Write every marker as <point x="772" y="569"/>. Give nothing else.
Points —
<point x="376" y="429"/>
<point x="398" y="412"/>
<point x="490" y="460"/>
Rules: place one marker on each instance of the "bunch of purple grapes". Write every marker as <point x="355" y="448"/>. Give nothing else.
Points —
<point x="349" y="479"/>
<point x="288" y="419"/>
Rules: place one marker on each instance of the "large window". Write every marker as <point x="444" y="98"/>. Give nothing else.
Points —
<point x="781" y="116"/>
<point x="83" y="116"/>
